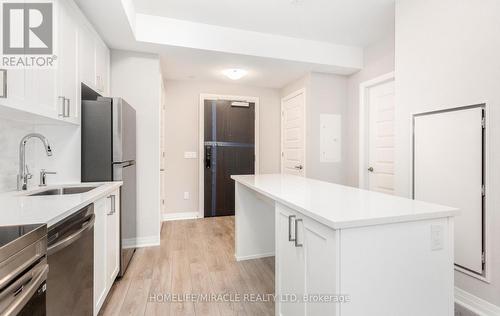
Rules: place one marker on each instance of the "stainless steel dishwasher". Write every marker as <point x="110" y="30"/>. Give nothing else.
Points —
<point x="71" y="264"/>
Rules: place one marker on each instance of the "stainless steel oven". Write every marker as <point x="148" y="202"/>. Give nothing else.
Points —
<point x="23" y="270"/>
<point x="71" y="260"/>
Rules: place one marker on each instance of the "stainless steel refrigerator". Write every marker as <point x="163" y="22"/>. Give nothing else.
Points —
<point x="108" y="154"/>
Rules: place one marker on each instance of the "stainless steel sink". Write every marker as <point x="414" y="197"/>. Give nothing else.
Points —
<point x="63" y="191"/>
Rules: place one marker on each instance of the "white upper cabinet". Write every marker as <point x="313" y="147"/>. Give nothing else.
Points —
<point x="86" y="49"/>
<point x="94" y="62"/>
<point x="53" y="94"/>
<point x="15" y="88"/>
<point x="68" y="92"/>
<point x="102" y="68"/>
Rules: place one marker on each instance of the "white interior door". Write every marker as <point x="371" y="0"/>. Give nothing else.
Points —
<point x="292" y="134"/>
<point x="448" y="169"/>
<point x="381" y="138"/>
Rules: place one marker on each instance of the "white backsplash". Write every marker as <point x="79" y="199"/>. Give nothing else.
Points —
<point x="64" y="140"/>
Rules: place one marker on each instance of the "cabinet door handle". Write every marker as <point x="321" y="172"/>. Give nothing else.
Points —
<point x="67" y="107"/>
<point x="296" y="236"/>
<point x="113" y="204"/>
<point x="290" y="228"/>
<point x="62" y="100"/>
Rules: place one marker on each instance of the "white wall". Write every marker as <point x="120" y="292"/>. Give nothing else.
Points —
<point x="136" y="78"/>
<point x="65" y="143"/>
<point x="447" y="55"/>
<point x="378" y="60"/>
<point x="325" y="94"/>
<point x="181" y="134"/>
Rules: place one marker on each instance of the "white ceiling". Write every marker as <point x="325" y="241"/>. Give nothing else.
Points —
<point x="348" y="22"/>
<point x="191" y="64"/>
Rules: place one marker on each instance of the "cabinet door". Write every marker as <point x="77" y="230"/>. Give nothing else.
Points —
<point x="40" y="93"/>
<point x="15" y="89"/>
<point x="319" y="265"/>
<point x="289" y="265"/>
<point x="68" y="83"/>
<point x="100" y="208"/>
<point x="102" y="67"/>
<point x="113" y="238"/>
<point x="86" y="54"/>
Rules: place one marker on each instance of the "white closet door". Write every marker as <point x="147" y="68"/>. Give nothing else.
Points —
<point x="381" y="140"/>
<point x="448" y="164"/>
<point x="292" y="135"/>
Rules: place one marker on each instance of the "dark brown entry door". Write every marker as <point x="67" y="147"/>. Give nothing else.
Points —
<point x="229" y="150"/>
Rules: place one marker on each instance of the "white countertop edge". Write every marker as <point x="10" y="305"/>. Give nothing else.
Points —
<point x="446" y="212"/>
<point x="103" y="189"/>
<point x="100" y="192"/>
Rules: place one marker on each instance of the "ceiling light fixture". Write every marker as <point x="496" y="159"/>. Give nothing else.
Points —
<point x="235" y="74"/>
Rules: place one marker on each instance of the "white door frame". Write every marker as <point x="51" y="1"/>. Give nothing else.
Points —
<point x="363" y="123"/>
<point x="283" y="100"/>
<point x="201" y="140"/>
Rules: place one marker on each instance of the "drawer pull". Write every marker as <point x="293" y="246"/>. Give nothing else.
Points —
<point x="290" y="228"/>
<point x="296" y="231"/>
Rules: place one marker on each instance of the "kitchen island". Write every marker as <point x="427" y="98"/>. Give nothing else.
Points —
<point x="377" y="254"/>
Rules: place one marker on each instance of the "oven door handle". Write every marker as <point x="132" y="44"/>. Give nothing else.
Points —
<point x="24" y="292"/>
<point x="88" y="224"/>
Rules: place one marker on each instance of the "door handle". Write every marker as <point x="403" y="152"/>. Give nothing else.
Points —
<point x="299" y="167"/>
<point x="290" y="229"/>
<point x="208" y="157"/>
<point x="370" y="169"/>
<point x="296" y="230"/>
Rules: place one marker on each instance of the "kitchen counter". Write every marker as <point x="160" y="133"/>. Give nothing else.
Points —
<point x="379" y="254"/>
<point x="19" y="209"/>
<point x="339" y="206"/>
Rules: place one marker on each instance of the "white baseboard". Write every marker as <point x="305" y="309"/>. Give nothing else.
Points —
<point x="257" y="256"/>
<point x="179" y="216"/>
<point x="148" y="241"/>
<point x="475" y="304"/>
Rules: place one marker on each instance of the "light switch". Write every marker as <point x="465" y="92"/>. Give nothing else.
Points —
<point x="186" y="195"/>
<point x="436" y="237"/>
<point x="190" y="154"/>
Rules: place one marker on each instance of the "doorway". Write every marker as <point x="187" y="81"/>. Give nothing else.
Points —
<point x="377" y="120"/>
<point x="228" y="147"/>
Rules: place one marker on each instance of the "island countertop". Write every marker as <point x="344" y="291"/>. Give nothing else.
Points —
<point x="16" y="208"/>
<point x="339" y="206"/>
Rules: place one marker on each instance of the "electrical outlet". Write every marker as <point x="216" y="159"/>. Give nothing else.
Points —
<point x="437" y="237"/>
<point x="186" y="195"/>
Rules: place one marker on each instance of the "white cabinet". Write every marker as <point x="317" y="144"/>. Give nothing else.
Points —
<point x="99" y="253"/>
<point x="68" y="92"/>
<point x="86" y="55"/>
<point x="102" y="67"/>
<point x="106" y="246"/>
<point x="94" y="62"/>
<point x="54" y="94"/>
<point x="113" y="238"/>
<point x="15" y="89"/>
<point x="305" y="264"/>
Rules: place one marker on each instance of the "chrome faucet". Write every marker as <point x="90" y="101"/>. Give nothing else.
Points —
<point x="24" y="174"/>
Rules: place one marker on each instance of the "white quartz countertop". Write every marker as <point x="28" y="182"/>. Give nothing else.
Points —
<point x="16" y="208"/>
<point x="339" y="206"/>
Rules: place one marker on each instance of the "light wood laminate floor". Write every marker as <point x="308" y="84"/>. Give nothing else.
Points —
<point x="195" y="257"/>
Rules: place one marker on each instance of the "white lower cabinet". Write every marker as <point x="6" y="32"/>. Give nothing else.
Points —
<point x="99" y="254"/>
<point x="305" y="265"/>
<point x="106" y="246"/>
